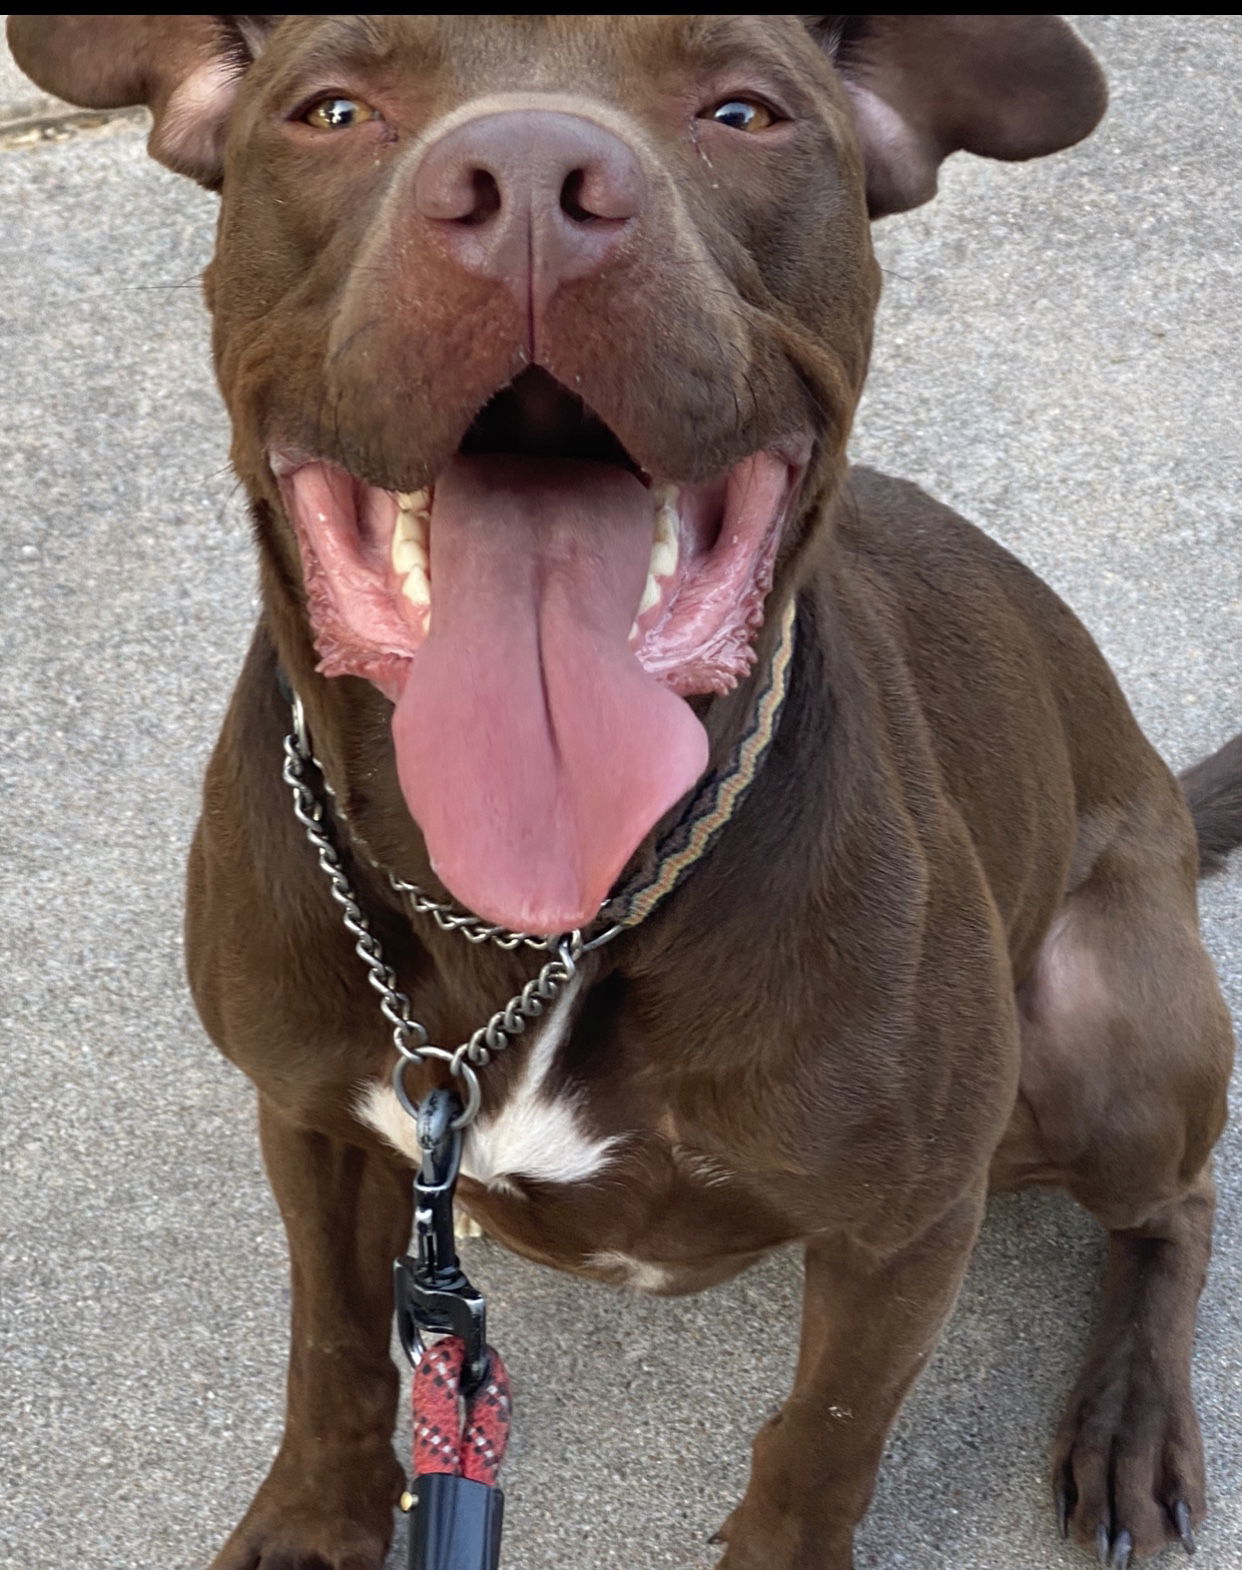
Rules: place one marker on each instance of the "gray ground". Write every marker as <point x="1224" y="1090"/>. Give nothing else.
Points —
<point x="1057" y="357"/>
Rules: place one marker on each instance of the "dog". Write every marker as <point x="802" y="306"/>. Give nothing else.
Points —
<point x="541" y="392"/>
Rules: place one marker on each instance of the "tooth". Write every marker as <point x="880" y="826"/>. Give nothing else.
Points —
<point x="651" y="596"/>
<point x="417" y="587"/>
<point x="409" y="541"/>
<point x="663" y="560"/>
<point x="403" y="536"/>
<point x="666" y="549"/>
<point x="408" y="553"/>
<point x="413" y="501"/>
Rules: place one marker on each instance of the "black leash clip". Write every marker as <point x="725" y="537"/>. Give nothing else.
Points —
<point x="432" y="1294"/>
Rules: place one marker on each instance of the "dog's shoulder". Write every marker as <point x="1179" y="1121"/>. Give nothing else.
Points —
<point x="905" y="531"/>
<point x="946" y="579"/>
<point x="1011" y="683"/>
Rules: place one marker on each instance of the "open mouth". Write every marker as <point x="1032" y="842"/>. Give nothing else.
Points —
<point x="537" y="615"/>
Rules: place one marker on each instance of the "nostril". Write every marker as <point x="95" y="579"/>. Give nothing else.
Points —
<point x="605" y="188"/>
<point x="486" y="197"/>
<point x="572" y="192"/>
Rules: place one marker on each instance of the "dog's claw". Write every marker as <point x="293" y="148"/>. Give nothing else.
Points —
<point x="1102" y="1544"/>
<point x="1181" y="1520"/>
<point x="1123" y="1551"/>
<point x="717" y="1540"/>
<point x="1063" y="1511"/>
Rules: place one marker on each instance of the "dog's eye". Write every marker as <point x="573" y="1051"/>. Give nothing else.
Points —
<point x="742" y="114"/>
<point x="338" y="114"/>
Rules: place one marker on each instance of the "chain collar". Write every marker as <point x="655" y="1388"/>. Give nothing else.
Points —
<point x="475" y="930"/>
<point x="410" y="1037"/>
<point x="713" y="805"/>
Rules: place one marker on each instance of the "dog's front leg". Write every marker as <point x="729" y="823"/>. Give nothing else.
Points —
<point x="868" y="1327"/>
<point x="328" y="1499"/>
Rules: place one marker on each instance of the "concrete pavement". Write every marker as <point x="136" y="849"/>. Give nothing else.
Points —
<point x="1057" y="357"/>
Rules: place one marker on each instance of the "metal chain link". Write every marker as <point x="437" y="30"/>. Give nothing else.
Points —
<point x="409" y="1037"/>
<point x="473" y="928"/>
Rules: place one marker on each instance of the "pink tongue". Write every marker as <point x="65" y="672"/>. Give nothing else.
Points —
<point x="533" y="750"/>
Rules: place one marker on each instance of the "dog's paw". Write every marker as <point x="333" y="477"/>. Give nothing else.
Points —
<point x="751" y="1543"/>
<point x="344" y="1524"/>
<point x="1128" y="1464"/>
<point x="296" y="1550"/>
<point x="321" y="1547"/>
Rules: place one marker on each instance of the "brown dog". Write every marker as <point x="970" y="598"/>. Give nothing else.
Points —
<point x="541" y="339"/>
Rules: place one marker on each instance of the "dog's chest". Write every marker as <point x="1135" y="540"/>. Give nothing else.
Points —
<point x="539" y="1132"/>
<point x="559" y="1173"/>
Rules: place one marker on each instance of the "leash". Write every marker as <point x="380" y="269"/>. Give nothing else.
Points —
<point x="460" y="1391"/>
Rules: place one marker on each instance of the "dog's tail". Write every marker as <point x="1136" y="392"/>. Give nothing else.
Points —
<point x="1214" y="791"/>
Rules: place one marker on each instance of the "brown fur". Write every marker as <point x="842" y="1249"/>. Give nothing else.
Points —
<point x="949" y="939"/>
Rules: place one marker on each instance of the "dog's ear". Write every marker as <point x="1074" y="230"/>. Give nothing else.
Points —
<point x="184" y="68"/>
<point x="923" y="87"/>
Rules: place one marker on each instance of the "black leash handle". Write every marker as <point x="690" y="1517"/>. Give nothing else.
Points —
<point x="455" y="1524"/>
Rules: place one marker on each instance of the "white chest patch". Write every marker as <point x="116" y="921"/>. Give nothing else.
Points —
<point x="638" y="1274"/>
<point x="532" y="1135"/>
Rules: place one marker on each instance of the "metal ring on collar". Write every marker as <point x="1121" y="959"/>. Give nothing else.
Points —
<point x="458" y="1067"/>
<point x="398" y="1085"/>
<point x="605" y="937"/>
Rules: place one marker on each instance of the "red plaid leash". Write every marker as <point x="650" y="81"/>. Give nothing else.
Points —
<point x="444" y="1441"/>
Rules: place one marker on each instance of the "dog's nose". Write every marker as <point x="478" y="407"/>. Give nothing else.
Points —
<point x="531" y="198"/>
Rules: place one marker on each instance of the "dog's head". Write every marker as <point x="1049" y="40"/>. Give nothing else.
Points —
<point x="541" y="338"/>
